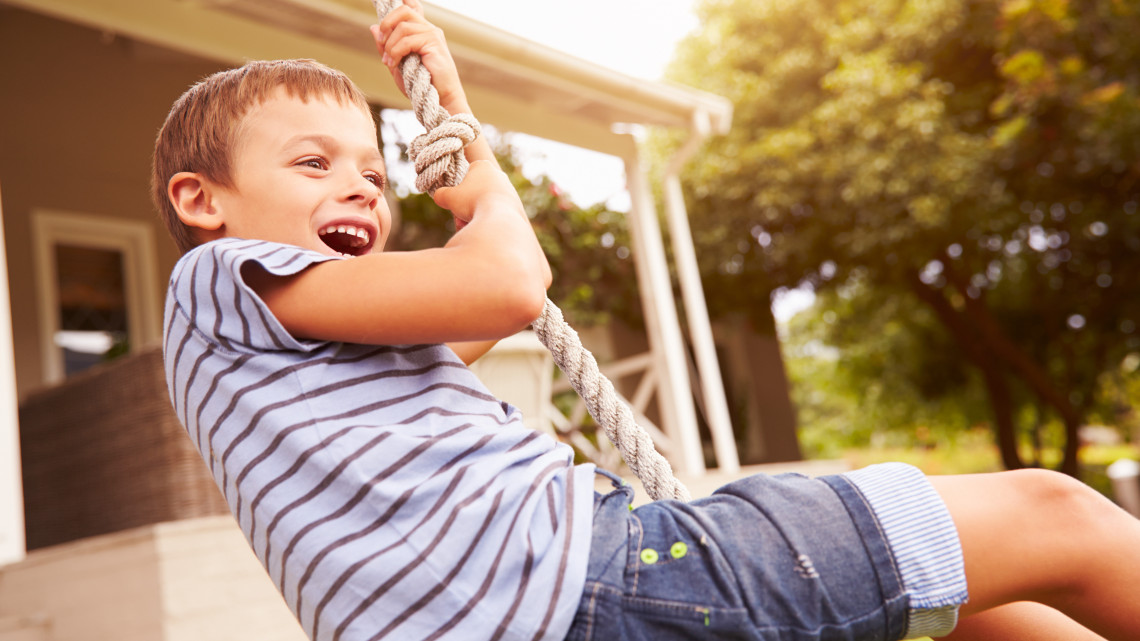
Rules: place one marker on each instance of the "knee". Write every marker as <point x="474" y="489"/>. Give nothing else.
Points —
<point x="1082" y="536"/>
<point x="1060" y="499"/>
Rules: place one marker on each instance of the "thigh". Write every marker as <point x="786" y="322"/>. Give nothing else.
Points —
<point x="1021" y="620"/>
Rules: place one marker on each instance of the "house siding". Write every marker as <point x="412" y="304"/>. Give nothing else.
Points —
<point x="79" y="110"/>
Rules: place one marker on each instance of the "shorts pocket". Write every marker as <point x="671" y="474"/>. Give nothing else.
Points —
<point x="606" y="614"/>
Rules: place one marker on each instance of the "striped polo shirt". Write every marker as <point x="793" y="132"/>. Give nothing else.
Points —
<point x="388" y="494"/>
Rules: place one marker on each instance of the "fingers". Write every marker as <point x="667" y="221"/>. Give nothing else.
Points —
<point x="403" y="20"/>
<point x="414" y="6"/>
<point x="409" y="37"/>
<point x="390" y="60"/>
<point x="400" y="15"/>
<point x="405" y="31"/>
<point x="393" y="66"/>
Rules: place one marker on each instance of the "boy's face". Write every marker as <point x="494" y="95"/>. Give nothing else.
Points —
<point x="307" y="174"/>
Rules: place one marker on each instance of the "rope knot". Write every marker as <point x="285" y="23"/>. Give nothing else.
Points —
<point x="438" y="154"/>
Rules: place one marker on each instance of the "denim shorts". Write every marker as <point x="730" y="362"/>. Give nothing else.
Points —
<point x="765" y="558"/>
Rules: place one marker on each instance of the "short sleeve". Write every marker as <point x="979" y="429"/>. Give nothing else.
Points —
<point x="208" y="287"/>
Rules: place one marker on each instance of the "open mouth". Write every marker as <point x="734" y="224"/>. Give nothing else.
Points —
<point x="347" y="240"/>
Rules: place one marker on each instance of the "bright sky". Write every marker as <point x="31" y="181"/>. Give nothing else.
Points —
<point x="632" y="36"/>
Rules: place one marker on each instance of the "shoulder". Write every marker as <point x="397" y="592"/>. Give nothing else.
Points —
<point x="210" y="285"/>
<point x="227" y="262"/>
<point x="231" y="254"/>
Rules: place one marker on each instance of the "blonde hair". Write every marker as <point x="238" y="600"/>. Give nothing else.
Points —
<point x="203" y="125"/>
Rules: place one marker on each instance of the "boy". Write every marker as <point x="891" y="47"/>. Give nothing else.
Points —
<point x="390" y="496"/>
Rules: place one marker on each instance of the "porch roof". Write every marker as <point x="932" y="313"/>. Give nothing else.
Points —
<point x="513" y="83"/>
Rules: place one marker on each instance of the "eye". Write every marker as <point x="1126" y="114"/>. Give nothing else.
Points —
<point x="315" y="162"/>
<point x="375" y="179"/>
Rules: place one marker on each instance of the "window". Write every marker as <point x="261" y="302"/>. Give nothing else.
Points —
<point x="96" y="289"/>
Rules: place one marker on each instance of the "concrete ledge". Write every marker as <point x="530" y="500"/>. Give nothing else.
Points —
<point x="177" y="581"/>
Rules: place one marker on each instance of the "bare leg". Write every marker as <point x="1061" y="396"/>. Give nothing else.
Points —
<point x="1021" y="621"/>
<point x="1040" y="536"/>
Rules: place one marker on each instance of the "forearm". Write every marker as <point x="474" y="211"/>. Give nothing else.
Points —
<point x="499" y="235"/>
<point x="480" y="149"/>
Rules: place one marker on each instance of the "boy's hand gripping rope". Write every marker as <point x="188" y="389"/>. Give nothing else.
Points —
<point x="439" y="161"/>
<point x="438" y="153"/>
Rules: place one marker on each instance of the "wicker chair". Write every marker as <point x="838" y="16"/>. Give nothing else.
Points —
<point x="103" y="452"/>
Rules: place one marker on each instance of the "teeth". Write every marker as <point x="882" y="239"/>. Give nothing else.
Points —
<point x="362" y="235"/>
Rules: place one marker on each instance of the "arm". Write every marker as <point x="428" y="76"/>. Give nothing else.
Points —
<point x="489" y="281"/>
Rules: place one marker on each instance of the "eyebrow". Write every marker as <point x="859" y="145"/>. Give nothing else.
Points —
<point x="328" y="142"/>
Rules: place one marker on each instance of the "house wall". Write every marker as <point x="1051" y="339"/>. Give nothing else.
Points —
<point x="79" y="110"/>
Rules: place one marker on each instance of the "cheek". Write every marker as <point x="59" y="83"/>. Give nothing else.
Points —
<point x="384" y="219"/>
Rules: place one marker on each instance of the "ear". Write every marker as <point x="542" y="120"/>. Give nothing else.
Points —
<point x="193" y="199"/>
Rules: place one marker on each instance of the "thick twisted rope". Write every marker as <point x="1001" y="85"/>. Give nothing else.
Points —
<point x="437" y="154"/>
<point x="604" y="404"/>
<point x="439" y="161"/>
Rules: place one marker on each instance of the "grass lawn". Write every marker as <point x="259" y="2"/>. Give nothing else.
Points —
<point x="974" y="452"/>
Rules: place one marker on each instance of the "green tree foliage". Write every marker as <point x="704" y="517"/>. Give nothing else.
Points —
<point x="978" y="158"/>
<point x="873" y="367"/>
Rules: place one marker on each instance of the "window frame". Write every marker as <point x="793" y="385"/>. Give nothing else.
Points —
<point x="133" y="239"/>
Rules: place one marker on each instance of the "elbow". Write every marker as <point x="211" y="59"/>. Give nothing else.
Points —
<point x="547" y="277"/>
<point x="522" y="296"/>
<point x="522" y="305"/>
<point x="534" y="304"/>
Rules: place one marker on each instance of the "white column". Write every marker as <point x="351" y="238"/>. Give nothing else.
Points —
<point x="696" y="310"/>
<point x="665" y="339"/>
<point x="11" y="487"/>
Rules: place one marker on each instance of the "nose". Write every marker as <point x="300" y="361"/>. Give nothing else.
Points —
<point x="361" y="190"/>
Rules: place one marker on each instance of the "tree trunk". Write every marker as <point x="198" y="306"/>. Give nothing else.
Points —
<point x="997" y="343"/>
<point x="1001" y="404"/>
<point x="1070" y="463"/>
<point x="997" y="387"/>
<point x="757" y="387"/>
